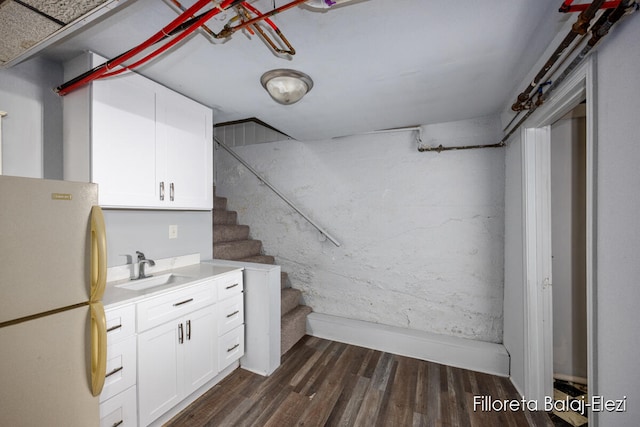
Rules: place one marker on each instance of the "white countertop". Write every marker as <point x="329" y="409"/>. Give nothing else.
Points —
<point x="186" y="276"/>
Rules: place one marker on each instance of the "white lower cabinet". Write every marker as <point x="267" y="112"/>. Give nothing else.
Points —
<point x="164" y="348"/>
<point x="174" y="359"/>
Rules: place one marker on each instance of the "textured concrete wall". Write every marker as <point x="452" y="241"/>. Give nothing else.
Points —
<point x="421" y="233"/>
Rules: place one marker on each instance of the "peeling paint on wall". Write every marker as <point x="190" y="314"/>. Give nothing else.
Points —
<point x="421" y="233"/>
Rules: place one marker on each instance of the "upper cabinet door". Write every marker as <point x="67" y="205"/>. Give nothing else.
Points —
<point x="124" y="141"/>
<point x="184" y="143"/>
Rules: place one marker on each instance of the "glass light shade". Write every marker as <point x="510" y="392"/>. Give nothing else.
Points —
<point x="286" y="86"/>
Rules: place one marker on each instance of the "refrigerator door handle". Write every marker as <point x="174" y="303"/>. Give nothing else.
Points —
<point x="98" y="347"/>
<point x="98" y="254"/>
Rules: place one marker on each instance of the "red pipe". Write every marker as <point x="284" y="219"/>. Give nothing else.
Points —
<point x="104" y="68"/>
<point x="228" y="31"/>
<point x="567" y="7"/>
<point x="197" y="24"/>
<point x="258" y="13"/>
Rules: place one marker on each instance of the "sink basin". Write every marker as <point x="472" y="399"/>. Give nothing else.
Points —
<point x="150" y="282"/>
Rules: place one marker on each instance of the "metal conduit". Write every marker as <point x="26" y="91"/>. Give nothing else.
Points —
<point x="322" y="231"/>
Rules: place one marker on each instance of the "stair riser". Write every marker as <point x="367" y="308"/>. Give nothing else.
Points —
<point x="219" y="203"/>
<point x="290" y="299"/>
<point x="237" y="250"/>
<point x="225" y="217"/>
<point x="229" y="233"/>
<point x="294" y="327"/>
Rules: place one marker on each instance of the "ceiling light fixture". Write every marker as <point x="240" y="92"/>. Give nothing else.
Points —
<point x="286" y="86"/>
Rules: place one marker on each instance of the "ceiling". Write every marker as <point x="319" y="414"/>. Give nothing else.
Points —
<point x="376" y="64"/>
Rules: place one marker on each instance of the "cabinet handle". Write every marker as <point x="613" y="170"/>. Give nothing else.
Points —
<point x="189" y="329"/>
<point x="113" y="328"/>
<point x="118" y="423"/>
<point x="180" y="334"/>
<point x="183" y="302"/>
<point x="162" y="190"/>
<point x="113" y="372"/>
<point x="171" y="192"/>
<point x="233" y="314"/>
<point x="232" y="286"/>
<point x="229" y="350"/>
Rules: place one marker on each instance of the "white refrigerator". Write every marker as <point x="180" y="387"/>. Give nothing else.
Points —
<point x="52" y="322"/>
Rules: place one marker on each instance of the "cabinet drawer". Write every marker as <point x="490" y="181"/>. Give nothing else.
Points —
<point x="121" y="367"/>
<point x="230" y="314"/>
<point x="230" y="347"/>
<point x="120" y="410"/>
<point x="160" y="309"/>
<point x="121" y="323"/>
<point x="229" y="286"/>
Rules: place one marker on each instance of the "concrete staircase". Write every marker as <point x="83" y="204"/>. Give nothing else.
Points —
<point x="231" y="241"/>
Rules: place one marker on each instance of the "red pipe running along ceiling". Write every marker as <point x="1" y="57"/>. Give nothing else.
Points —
<point x="568" y="7"/>
<point x="185" y="24"/>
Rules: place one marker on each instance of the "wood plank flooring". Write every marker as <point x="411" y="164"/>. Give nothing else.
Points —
<point x="326" y="383"/>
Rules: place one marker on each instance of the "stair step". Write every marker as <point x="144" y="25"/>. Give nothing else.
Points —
<point x="284" y="280"/>
<point x="230" y="232"/>
<point x="260" y="259"/>
<point x="237" y="250"/>
<point x="219" y="203"/>
<point x="224" y="217"/>
<point x="293" y="327"/>
<point x="289" y="299"/>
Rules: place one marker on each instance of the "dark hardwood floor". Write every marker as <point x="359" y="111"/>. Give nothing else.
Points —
<point x="326" y="383"/>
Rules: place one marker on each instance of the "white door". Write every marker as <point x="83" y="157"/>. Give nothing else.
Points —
<point x="159" y="378"/>
<point x="124" y="141"/>
<point x="44" y="245"/>
<point x="44" y="373"/>
<point x="200" y="348"/>
<point x="185" y="150"/>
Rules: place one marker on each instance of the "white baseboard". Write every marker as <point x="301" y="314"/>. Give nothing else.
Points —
<point x="459" y="352"/>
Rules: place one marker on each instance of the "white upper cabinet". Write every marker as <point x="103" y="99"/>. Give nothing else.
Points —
<point x="146" y="146"/>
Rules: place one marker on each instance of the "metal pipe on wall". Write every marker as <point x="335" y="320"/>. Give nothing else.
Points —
<point x="600" y="29"/>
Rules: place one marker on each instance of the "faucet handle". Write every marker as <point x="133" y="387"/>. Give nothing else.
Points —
<point x="140" y="255"/>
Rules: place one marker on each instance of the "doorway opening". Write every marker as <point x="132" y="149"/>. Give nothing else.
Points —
<point x="568" y="194"/>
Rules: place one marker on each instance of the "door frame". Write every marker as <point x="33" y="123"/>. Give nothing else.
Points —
<point x="536" y="166"/>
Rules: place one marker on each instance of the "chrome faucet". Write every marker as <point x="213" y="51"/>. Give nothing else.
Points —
<point x="142" y="261"/>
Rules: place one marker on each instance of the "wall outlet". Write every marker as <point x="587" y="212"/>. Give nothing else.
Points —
<point x="173" y="231"/>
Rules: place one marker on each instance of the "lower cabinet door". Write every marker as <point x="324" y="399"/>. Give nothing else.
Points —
<point x="120" y="410"/>
<point x="159" y="379"/>
<point x="231" y="347"/>
<point x="200" y="348"/>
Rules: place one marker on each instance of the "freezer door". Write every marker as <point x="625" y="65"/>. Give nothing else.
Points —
<point x="46" y="372"/>
<point x="45" y="245"/>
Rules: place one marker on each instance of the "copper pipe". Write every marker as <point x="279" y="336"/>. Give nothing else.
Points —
<point x="290" y="51"/>
<point x="227" y="31"/>
<point x="600" y="29"/>
<point x="204" y="27"/>
<point x="580" y="27"/>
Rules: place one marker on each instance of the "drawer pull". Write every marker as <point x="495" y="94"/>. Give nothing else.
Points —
<point x="113" y="372"/>
<point x="180" y="334"/>
<point x="189" y="329"/>
<point x="162" y="190"/>
<point x="118" y="423"/>
<point x="232" y="286"/>
<point x="113" y="328"/>
<point x="229" y="350"/>
<point x="233" y="314"/>
<point x="183" y="302"/>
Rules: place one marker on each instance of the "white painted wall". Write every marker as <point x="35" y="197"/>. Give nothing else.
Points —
<point x="32" y="129"/>
<point x="568" y="231"/>
<point x="421" y="233"/>
<point x="618" y="227"/>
